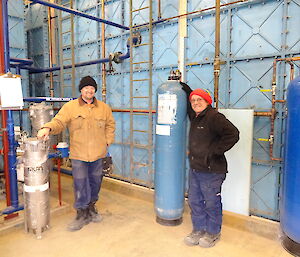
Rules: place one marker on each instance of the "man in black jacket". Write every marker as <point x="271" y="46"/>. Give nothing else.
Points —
<point x="210" y="136"/>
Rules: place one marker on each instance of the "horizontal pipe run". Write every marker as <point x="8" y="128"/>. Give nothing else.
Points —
<point x="64" y="171"/>
<point x="22" y="61"/>
<point x="11" y="209"/>
<point x="190" y="13"/>
<point x="264" y="114"/>
<point x="135" y="110"/>
<point x="41" y="70"/>
<point x="78" y="13"/>
<point x="47" y="99"/>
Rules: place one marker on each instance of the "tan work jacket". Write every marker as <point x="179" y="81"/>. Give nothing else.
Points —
<point x="91" y="128"/>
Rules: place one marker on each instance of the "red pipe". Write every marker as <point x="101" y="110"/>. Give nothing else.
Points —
<point x="3" y="117"/>
<point x="58" y="180"/>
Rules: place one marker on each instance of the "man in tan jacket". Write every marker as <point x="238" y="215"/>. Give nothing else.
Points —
<point x="91" y="128"/>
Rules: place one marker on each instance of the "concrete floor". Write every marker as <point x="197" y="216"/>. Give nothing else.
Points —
<point x="129" y="230"/>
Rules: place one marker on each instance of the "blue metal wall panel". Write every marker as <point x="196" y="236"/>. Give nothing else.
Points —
<point x="252" y="35"/>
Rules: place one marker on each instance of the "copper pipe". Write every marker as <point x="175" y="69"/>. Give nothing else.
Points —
<point x="4" y="118"/>
<point x="5" y="157"/>
<point x="103" y="52"/>
<point x="217" y="55"/>
<point x="134" y="110"/>
<point x="274" y="101"/>
<point x="50" y="30"/>
<point x="202" y="10"/>
<point x="292" y="70"/>
<point x="263" y="114"/>
<point x="159" y="10"/>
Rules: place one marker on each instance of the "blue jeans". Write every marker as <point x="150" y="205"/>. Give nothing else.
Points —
<point x="87" y="178"/>
<point x="205" y="200"/>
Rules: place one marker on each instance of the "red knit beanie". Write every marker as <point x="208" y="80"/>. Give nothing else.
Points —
<point x="203" y="93"/>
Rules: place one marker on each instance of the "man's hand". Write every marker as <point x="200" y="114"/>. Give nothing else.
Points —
<point x="43" y="134"/>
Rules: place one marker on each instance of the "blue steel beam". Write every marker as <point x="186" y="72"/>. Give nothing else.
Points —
<point x="78" y="13"/>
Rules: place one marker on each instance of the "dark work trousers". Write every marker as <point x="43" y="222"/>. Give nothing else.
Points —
<point x="87" y="178"/>
<point x="205" y="200"/>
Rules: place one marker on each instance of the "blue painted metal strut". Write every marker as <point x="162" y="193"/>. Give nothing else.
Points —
<point x="78" y="13"/>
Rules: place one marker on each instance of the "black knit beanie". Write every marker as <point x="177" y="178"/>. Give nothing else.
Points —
<point x="87" y="81"/>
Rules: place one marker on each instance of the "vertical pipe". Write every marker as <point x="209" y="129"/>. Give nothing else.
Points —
<point x="182" y="31"/>
<point x="217" y="55"/>
<point x="292" y="71"/>
<point x="2" y="63"/>
<point x="59" y="180"/>
<point x="159" y="10"/>
<point x="103" y="52"/>
<point x="12" y="160"/>
<point x="50" y="31"/>
<point x="5" y="157"/>
<point x="4" y="114"/>
<point x="5" y="36"/>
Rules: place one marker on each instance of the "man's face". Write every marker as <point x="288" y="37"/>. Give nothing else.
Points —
<point x="198" y="103"/>
<point x="88" y="92"/>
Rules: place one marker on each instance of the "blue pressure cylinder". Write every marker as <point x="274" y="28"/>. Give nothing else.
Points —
<point x="290" y="194"/>
<point x="170" y="148"/>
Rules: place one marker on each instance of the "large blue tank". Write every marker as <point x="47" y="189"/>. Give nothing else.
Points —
<point x="170" y="149"/>
<point x="290" y="198"/>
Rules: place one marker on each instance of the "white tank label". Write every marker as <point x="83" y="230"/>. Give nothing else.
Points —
<point x="166" y="109"/>
<point x="163" y="130"/>
<point x="31" y="189"/>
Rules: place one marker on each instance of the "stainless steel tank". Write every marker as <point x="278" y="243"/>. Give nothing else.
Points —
<point x="36" y="186"/>
<point x="40" y="114"/>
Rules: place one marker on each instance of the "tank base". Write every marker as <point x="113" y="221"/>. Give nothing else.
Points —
<point x="168" y="222"/>
<point x="291" y="246"/>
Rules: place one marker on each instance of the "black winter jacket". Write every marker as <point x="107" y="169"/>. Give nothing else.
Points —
<point x="210" y="136"/>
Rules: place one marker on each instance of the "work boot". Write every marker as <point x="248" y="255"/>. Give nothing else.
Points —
<point x="82" y="218"/>
<point x="209" y="240"/>
<point x="93" y="213"/>
<point x="194" y="237"/>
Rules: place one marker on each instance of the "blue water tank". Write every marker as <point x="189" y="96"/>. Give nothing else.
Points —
<point x="290" y="194"/>
<point x="170" y="149"/>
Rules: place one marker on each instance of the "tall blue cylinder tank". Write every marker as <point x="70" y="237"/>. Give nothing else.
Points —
<point x="290" y="194"/>
<point x="170" y="148"/>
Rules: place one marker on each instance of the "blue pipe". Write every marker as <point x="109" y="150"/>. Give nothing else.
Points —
<point x="5" y="35"/>
<point x="78" y="13"/>
<point x="22" y="61"/>
<point x="41" y="70"/>
<point x="12" y="160"/>
<point x="11" y="209"/>
<point x="47" y="99"/>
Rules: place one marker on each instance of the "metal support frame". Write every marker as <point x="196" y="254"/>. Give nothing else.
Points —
<point x="147" y="81"/>
<point x="78" y="13"/>
<point x="63" y="47"/>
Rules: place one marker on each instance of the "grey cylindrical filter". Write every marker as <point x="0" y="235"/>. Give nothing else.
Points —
<point x="39" y="114"/>
<point x="36" y="186"/>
